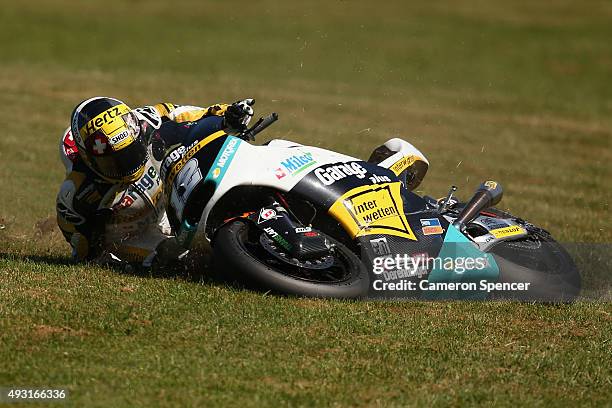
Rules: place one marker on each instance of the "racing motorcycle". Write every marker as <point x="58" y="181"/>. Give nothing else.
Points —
<point x="308" y="221"/>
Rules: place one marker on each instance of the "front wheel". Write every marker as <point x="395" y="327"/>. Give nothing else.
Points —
<point x="543" y="263"/>
<point x="238" y="251"/>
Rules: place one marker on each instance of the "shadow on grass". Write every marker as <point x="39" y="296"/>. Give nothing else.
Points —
<point x="197" y="272"/>
<point x="189" y="273"/>
<point x="54" y="260"/>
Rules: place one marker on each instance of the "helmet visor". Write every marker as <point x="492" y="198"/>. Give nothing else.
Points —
<point x="123" y="163"/>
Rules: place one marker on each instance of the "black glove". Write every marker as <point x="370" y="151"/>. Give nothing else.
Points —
<point x="238" y="115"/>
<point x="100" y="218"/>
<point x="168" y="256"/>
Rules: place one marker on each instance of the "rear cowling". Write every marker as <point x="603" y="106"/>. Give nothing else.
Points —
<point x="403" y="159"/>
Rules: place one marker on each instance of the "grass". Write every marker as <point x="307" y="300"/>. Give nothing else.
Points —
<point x="518" y="92"/>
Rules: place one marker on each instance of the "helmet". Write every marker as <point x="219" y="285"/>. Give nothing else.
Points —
<point x="108" y="137"/>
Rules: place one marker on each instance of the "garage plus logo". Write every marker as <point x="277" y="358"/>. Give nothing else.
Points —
<point x="329" y="175"/>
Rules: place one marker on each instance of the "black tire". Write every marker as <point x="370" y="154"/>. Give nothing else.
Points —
<point x="235" y="253"/>
<point x="541" y="261"/>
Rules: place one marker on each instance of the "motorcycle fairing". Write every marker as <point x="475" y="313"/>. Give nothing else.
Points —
<point x="496" y="230"/>
<point x="365" y="198"/>
<point x="282" y="166"/>
<point x="183" y="171"/>
<point x="448" y="248"/>
<point x="457" y="247"/>
<point x="404" y="160"/>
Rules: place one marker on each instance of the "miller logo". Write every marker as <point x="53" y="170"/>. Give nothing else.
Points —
<point x="296" y="164"/>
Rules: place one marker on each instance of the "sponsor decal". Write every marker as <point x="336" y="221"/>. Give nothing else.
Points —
<point x="297" y="163"/>
<point x="376" y="179"/>
<point x="493" y="223"/>
<point x="266" y="214"/>
<point x="229" y="150"/>
<point x="224" y="159"/>
<point x="176" y="167"/>
<point x="145" y="184"/>
<point x="125" y="202"/>
<point x="277" y="238"/>
<point x="329" y="175"/>
<point x="373" y="209"/>
<point x="507" y="232"/>
<point x="175" y="155"/>
<point x="106" y="121"/>
<point x="118" y="138"/>
<point x="279" y="173"/>
<point x="490" y="184"/>
<point x="302" y="229"/>
<point x="70" y="148"/>
<point x="380" y="246"/>
<point x="431" y="226"/>
<point x="402" y="164"/>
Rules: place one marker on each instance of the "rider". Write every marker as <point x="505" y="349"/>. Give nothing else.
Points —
<point x="111" y="206"/>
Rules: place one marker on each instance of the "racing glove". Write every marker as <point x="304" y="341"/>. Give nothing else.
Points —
<point x="168" y="255"/>
<point x="238" y="115"/>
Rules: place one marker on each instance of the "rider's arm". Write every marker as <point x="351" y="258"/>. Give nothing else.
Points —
<point x="77" y="218"/>
<point x="192" y="113"/>
<point x="162" y="112"/>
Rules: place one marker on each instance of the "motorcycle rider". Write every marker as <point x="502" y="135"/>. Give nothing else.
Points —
<point x="110" y="207"/>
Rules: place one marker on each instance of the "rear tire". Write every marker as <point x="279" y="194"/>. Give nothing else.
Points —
<point x="236" y="253"/>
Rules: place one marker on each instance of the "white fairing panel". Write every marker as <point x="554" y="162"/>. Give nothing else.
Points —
<point x="281" y="165"/>
<point x="403" y="149"/>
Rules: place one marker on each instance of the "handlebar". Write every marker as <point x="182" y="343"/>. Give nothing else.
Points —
<point x="262" y="123"/>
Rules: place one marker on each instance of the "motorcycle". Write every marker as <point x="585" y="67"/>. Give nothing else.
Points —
<point x="307" y="221"/>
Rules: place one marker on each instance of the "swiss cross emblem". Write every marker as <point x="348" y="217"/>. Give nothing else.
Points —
<point x="280" y="173"/>
<point x="70" y="148"/>
<point x="99" y="145"/>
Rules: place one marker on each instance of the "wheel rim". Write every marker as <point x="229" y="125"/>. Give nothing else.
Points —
<point x="339" y="271"/>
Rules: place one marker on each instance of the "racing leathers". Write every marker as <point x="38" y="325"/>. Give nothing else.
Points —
<point x="127" y="222"/>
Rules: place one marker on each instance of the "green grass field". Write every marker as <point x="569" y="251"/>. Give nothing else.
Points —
<point x="520" y="92"/>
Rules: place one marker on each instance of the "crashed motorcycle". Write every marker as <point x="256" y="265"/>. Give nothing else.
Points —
<point x="307" y="221"/>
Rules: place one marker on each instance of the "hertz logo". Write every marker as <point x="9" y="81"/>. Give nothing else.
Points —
<point x="104" y="118"/>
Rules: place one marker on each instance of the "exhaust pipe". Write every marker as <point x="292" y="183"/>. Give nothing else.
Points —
<point x="487" y="195"/>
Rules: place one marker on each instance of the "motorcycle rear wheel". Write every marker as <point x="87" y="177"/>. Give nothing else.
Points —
<point x="238" y="253"/>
